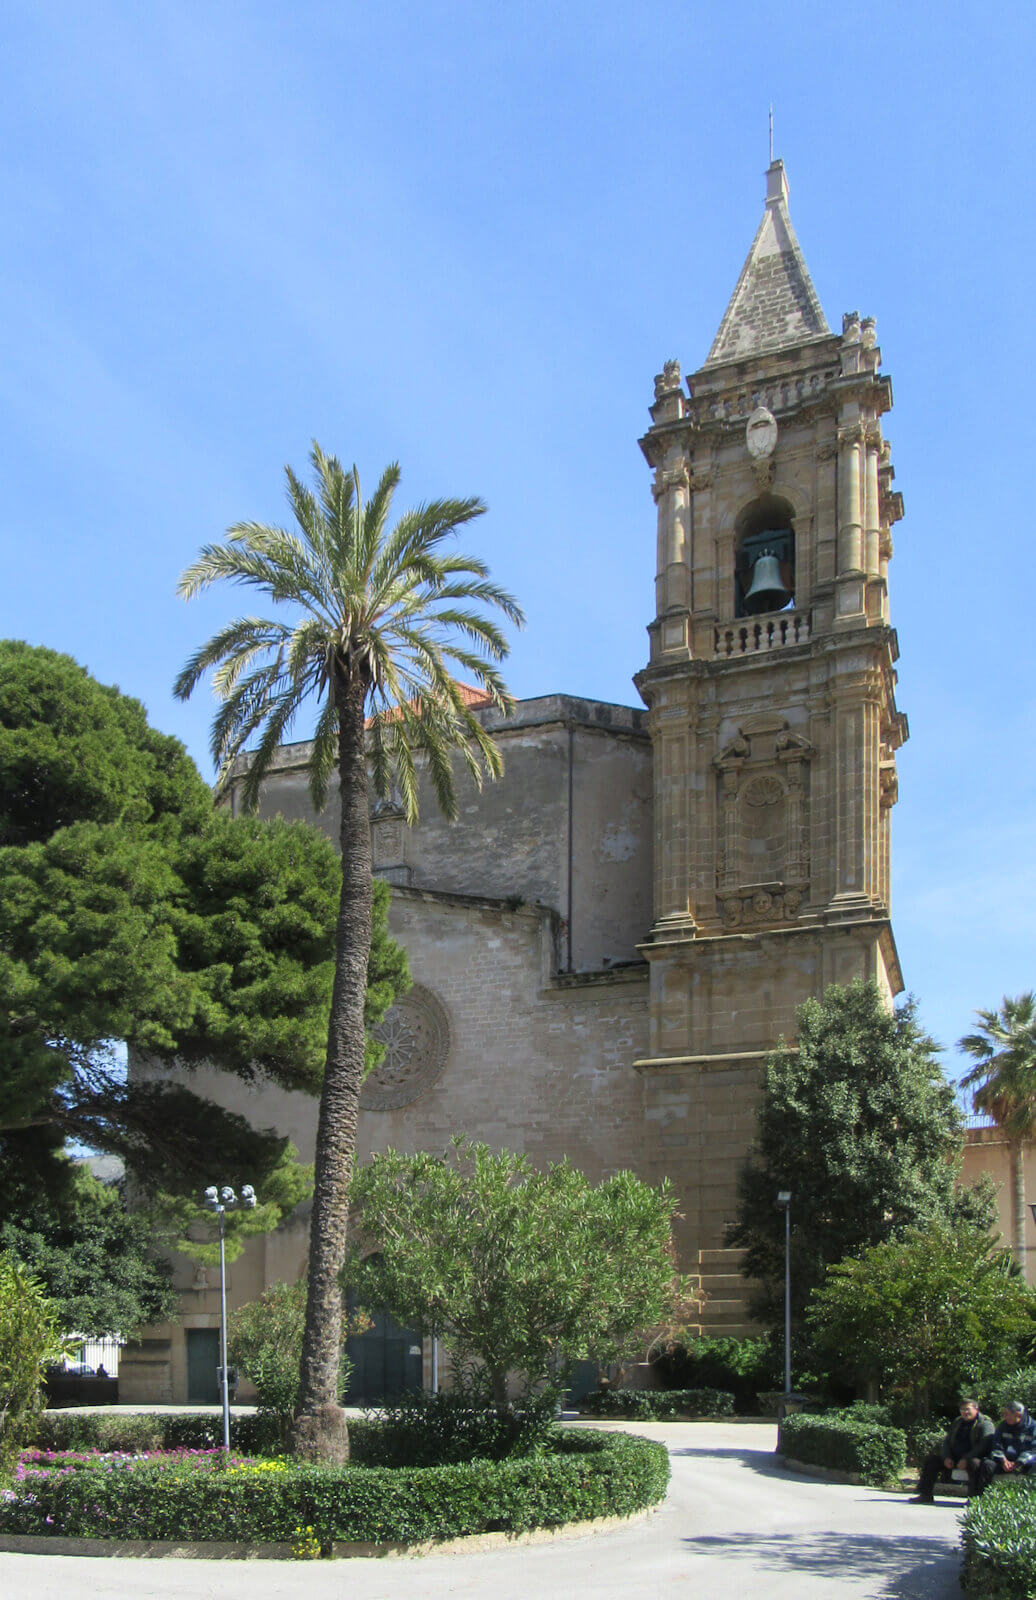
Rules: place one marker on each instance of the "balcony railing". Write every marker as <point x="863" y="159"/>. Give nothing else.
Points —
<point x="750" y="636"/>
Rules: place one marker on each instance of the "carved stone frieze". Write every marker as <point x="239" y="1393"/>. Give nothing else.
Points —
<point x="759" y="907"/>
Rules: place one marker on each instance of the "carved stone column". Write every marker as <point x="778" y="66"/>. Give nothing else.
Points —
<point x="850" y="443"/>
<point x="871" y="501"/>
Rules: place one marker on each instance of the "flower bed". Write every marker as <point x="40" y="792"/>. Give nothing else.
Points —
<point x="582" y="1476"/>
<point x="999" y="1539"/>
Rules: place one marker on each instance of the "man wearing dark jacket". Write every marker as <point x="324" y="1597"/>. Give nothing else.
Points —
<point x="1013" y="1449"/>
<point x="964" y="1446"/>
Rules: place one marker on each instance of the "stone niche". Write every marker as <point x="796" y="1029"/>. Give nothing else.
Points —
<point x="762" y="811"/>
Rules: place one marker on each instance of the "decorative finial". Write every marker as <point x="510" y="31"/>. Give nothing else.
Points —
<point x="771" y="136"/>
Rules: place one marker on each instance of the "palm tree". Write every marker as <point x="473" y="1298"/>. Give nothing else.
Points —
<point x="1004" y="1085"/>
<point x="381" y="620"/>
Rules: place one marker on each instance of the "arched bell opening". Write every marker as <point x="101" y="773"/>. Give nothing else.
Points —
<point x="764" y="557"/>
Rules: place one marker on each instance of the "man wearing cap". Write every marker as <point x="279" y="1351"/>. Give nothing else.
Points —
<point x="964" y="1446"/>
<point x="1013" y="1449"/>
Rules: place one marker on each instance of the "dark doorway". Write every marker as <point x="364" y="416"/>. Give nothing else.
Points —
<point x="203" y="1366"/>
<point x="387" y="1360"/>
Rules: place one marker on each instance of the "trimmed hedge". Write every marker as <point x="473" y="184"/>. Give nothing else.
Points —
<point x="585" y="1475"/>
<point x="656" y="1405"/>
<point x="875" y="1452"/>
<point x="130" y="1431"/>
<point x="998" y="1536"/>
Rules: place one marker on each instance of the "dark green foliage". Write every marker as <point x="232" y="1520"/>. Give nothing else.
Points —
<point x="860" y="1125"/>
<point x="876" y="1453"/>
<point x="929" y="1313"/>
<point x="1017" y="1384"/>
<point x="131" y="910"/>
<point x="431" y="1430"/>
<point x="923" y="1434"/>
<point x="745" y="1367"/>
<point x="998" y="1536"/>
<point x="585" y="1475"/>
<point x="74" y="750"/>
<point x="93" y="1257"/>
<point x="656" y="1405"/>
<point x="139" y="1431"/>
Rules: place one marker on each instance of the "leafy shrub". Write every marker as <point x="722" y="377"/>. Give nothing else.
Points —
<point x="876" y="1452"/>
<point x="29" y="1338"/>
<point x="924" y="1434"/>
<point x="1017" y="1385"/>
<point x="998" y="1536"/>
<point x="656" y="1405"/>
<point x="584" y="1475"/>
<point x="741" y="1366"/>
<point x="429" y="1430"/>
<point x="114" y="1430"/>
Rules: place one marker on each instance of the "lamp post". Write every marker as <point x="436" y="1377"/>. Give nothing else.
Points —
<point x="784" y="1202"/>
<point x="221" y="1201"/>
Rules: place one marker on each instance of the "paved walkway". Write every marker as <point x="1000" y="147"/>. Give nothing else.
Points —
<point x="733" y="1524"/>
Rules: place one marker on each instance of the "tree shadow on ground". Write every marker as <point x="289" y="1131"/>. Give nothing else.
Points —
<point x="761" y="1461"/>
<point x="910" y="1568"/>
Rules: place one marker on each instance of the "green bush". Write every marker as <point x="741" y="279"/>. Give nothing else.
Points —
<point x="585" y="1475"/>
<point x="876" y="1452"/>
<point x="741" y="1366"/>
<point x="924" y="1434"/>
<point x="1017" y="1385"/>
<point x="998" y="1536"/>
<point x="656" y="1405"/>
<point x="431" y="1430"/>
<point x="29" y="1339"/>
<point x="119" y="1430"/>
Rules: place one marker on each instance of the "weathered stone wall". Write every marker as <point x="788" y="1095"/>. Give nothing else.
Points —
<point x="568" y="826"/>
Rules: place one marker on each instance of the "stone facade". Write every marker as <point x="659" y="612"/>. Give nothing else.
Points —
<point x="609" y="939"/>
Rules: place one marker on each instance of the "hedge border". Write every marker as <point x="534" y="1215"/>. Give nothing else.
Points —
<point x="658" y="1405"/>
<point x="585" y="1476"/>
<point x="998" y="1540"/>
<point x="341" y="1549"/>
<point x="869" y="1451"/>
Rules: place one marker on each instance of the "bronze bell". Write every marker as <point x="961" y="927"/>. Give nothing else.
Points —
<point x="767" y="592"/>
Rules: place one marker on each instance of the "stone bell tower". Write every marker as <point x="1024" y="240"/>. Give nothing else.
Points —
<point x="771" y="693"/>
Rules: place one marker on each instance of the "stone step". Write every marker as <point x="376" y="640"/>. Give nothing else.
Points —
<point x="724" y="1260"/>
<point x="723" y="1280"/>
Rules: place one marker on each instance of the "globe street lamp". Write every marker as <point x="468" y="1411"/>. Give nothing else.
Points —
<point x="221" y="1201"/>
<point x="784" y="1202"/>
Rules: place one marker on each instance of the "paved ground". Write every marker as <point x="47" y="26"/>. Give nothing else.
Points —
<point x="733" y="1524"/>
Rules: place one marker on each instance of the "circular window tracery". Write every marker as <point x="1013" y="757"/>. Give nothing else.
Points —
<point x="416" y="1036"/>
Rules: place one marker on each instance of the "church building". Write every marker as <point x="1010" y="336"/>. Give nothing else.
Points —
<point x="611" y="937"/>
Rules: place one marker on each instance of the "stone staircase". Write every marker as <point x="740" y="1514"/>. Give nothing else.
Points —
<point x="724" y="1311"/>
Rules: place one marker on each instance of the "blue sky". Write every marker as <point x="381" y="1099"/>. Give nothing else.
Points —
<point x="466" y="237"/>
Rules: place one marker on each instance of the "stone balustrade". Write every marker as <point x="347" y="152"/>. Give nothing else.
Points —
<point x="750" y="636"/>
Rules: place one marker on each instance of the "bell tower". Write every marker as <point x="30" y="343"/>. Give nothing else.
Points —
<point x="771" y="696"/>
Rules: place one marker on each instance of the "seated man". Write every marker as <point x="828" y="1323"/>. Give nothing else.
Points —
<point x="964" y="1446"/>
<point x="1013" y="1449"/>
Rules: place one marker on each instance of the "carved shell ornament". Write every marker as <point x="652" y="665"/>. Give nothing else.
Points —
<point x="416" y="1036"/>
<point x="763" y="792"/>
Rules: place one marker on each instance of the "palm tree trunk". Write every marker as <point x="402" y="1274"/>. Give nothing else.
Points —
<point x="1018" y="1201"/>
<point x="320" y="1430"/>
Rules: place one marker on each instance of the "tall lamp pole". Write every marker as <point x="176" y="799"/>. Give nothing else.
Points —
<point x="784" y="1202"/>
<point x="221" y="1201"/>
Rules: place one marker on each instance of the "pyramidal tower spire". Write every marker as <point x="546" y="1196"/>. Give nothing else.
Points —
<point x="774" y="303"/>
